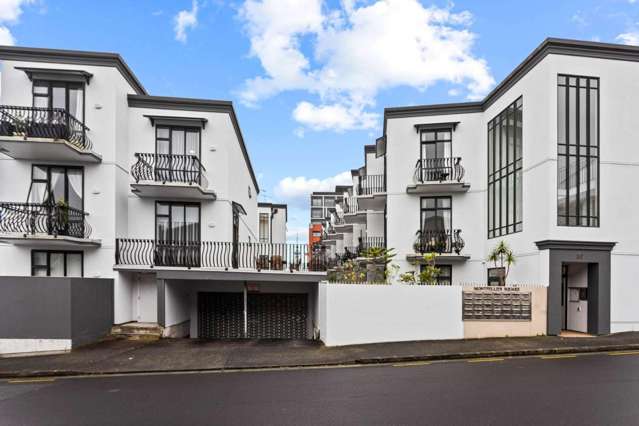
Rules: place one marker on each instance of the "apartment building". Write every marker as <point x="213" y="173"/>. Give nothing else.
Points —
<point x="543" y="163"/>
<point x="357" y="221"/>
<point x="98" y="178"/>
<point x="322" y="203"/>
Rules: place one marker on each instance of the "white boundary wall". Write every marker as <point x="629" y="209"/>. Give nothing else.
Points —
<point x="357" y="314"/>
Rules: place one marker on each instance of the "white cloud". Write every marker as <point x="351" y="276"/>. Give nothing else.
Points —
<point x="346" y="56"/>
<point x="185" y="19"/>
<point x="630" y="38"/>
<point x="6" y="38"/>
<point x="296" y="190"/>
<point x="10" y="11"/>
<point x="337" y="117"/>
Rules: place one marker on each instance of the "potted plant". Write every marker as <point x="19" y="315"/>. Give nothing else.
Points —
<point x="502" y="257"/>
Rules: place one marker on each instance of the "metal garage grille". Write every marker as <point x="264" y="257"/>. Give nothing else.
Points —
<point x="277" y="316"/>
<point x="220" y="315"/>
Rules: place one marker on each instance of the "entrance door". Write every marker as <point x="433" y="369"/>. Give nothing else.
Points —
<point x="576" y="297"/>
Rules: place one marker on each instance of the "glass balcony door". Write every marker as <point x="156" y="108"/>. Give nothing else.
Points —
<point x="177" y="234"/>
<point x="435" y="155"/>
<point x="177" y="154"/>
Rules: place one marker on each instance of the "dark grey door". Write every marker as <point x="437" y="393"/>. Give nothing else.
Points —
<point x="220" y="315"/>
<point x="277" y="316"/>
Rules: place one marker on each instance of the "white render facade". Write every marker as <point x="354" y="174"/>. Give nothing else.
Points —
<point x="163" y="200"/>
<point x="605" y="248"/>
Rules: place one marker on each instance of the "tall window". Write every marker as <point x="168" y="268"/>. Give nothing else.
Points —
<point x="504" y="171"/>
<point x="177" y="223"/>
<point x="264" y="227"/>
<point x="59" y="94"/>
<point x="51" y="263"/>
<point x="577" y="151"/>
<point x="57" y="184"/>
<point x="435" y="154"/>
<point x="175" y="148"/>
<point x="445" y="275"/>
<point x="436" y="214"/>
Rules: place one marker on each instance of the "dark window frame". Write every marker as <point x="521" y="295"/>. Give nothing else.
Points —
<point x="47" y="181"/>
<point x="437" y="131"/>
<point x="440" y="279"/>
<point x="500" y="175"/>
<point x="169" y="215"/>
<point x="49" y="84"/>
<point x="436" y="209"/>
<point x="169" y="139"/>
<point x="48" y="265"/>
<point x="592" y="151"/>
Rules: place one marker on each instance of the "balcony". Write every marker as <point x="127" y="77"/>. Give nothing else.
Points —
<point x="366" y="243"/>
<point x="44" y="134"/>
<point x="50" y="225"/>
<point x="437" y="176"/>
<point x="353" y="213"/>
<point x="170" y="176"/>
<point x="222" y="255"/>
<point x="371" y="192"/>
<point x="446" y="244"/>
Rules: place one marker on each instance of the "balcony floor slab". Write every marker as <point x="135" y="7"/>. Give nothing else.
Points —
<point x="440" y="259"/>
<point x="445" y="187"/>
<point x="374" y="202"/>
<point x="172" y="191"/>
<point x="47" y="241"/>
<point x="43" y="149"/>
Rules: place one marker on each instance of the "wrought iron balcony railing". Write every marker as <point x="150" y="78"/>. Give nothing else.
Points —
<point x="439" y="170"/>
<point x="169" y="168"/>
<point x="371" y="184"/>
<point x="48" y="219"/>
<point x="218" y="254"/>
<point x="49" y="123"/>
<point x="439" y="241"/>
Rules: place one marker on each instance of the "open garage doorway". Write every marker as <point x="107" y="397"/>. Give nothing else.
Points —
<point x="574" y="301"/>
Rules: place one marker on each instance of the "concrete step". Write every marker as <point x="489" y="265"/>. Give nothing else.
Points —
<point x="137" y="331"/>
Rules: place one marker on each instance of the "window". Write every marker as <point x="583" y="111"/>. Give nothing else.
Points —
<point x="177" y="223"/>
<point x="317" y="234"/>
<point x="577" y="151"/>
<point x="317" y="213"/>
<point x="316" y="202"/>
<point x="445" y="276"/>
<point x="64" y="184"/>
<point x="436" y="214"/>
<point x="435" y="155"/>
<point x="505" y="171"/>
<point x="264" y="227"/>
<point x="329" y="202"/>
<point x="59" y="94"/>
<point x="49" y="263"/>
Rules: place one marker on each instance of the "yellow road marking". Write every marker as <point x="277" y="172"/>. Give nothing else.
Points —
<point x="485" y="360"/>
<point x="557" y="356"/>
<point x="42" y="380"/>
<point x="412" y="364"/>
<point x="623" y="353"/>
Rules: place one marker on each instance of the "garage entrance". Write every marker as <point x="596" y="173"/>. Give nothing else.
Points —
<point x="268" y="315"/>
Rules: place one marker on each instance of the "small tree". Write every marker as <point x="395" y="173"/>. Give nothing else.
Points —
<point x="502" y="256"/>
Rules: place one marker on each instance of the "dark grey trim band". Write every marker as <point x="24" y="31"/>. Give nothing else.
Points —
<point x="177" y="121"/>
<point x="52" y="74"/>
<point x="202" y="105"/>
<point x="575" y="245"/>
<point x="369" y="148"/>
<point x="556" y="46"/>
<point x="100" y="59"/>
<point x="451" y="125"/>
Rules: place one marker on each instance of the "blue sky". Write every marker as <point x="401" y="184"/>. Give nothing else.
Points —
<point x="309" y="78"/>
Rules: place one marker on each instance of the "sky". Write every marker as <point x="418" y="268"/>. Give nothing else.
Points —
<point x="309" y="78"/>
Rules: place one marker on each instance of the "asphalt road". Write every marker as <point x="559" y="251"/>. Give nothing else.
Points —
<point x="600" y="389"/>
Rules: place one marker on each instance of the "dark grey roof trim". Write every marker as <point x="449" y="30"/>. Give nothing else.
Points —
<point x="549" y="46"/>
<point x="56" y="74"/>
<point x="575" y="245"/>
<point x="354" y="172"/>
<point x="191" y="104"/>
<point x="451" y="125"/>
<point x="78" y="57"/>
<point x="323" y="193"/>
<point x="177" y="121"/>
<point x="276" y="205"/>
<point x="369" y="148"/>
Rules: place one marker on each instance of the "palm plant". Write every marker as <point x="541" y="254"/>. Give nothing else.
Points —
<point x="502" y="256"/>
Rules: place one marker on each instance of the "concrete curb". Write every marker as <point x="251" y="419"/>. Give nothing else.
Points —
<point x="356" y="361"/>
